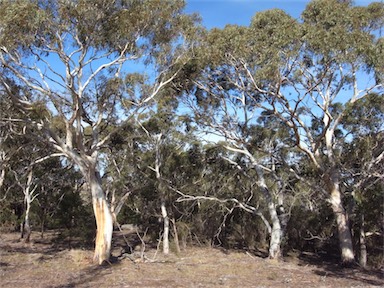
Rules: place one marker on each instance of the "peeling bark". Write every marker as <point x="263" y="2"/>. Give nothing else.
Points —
<point x="104" y="221"/>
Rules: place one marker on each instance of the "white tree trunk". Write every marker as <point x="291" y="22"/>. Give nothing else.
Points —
<point x="166" y="228"/>
<point x="104" y="220"/>
<point x="276" y="233"/>
<point x="28" y="198"/>
<point x="345" y="236"/>
<point x="161" y="190"/>
<point x="25" y="225"/>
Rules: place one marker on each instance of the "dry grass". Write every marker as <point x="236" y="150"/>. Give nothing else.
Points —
<point x="41" y="264"/>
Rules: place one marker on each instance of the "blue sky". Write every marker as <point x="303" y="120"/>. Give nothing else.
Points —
<point x="218" y="13"/>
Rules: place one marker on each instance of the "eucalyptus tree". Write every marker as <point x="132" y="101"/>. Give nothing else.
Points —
<point x="304" y="74"/>
<point x="34" y="183"/>
<point x="163" y="143"/>
<point x="21" y="150"/>
<point x="57" y="182"/>
<point x="5" y="136"/>
<point x="339" y="50"/>
<point x="363" y="166"/>
<point x="226" y="103"/>
<point x="121" y="177"/>
<point x="158" y="132"/>
<point x="85" y="62"/>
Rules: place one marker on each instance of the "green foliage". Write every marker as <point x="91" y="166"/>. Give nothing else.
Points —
<point x="75" y="217"/>
<point x="365" y="116"/>
<point x="340" y="32"/>
<point x="9" y="221"/>
<point x="274" y="37"/>
<point x="101" y="24"/>
<point x="20" y="22"/>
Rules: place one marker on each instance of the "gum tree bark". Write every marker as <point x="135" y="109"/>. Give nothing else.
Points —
<point x="343" y="229"/>
<point x="104" y="219"/>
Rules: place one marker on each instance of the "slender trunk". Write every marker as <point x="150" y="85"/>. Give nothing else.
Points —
<point x="175" y="236"/>
<point x="363" y="247"/>
<point x="161" y="191"/>
<point x="28" y="192"/>
<point x="166" y="228"/>
<point x="116" y="208"/>
<point x="26" y="229"/>
<point x="344" y="232"/>
<point x="283" y="216"/>
<point x="2" y="174"/>
<point x="104" y="220"/>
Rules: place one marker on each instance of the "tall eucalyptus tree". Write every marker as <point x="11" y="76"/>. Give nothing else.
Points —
<point x="304" y="74"/>
<point x="84" y="61"/>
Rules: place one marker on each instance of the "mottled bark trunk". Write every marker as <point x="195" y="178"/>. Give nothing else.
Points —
<point x="104" y="220"/>
<point x="283" y="216"/>
<point x="343" y="229"/>
<point x="166" y="228"/>
<point x="276" y="237"/>
<point x="275" y="242"/>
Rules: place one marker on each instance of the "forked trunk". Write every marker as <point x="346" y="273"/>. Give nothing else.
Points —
<point x="344" y="232"/>
<point x="28" y="198"/>
<point x="104" y="221"/>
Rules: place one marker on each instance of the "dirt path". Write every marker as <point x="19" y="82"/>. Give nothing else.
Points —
<point x="41" y="264"/>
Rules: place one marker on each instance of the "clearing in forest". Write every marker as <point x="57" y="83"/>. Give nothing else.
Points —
<point x="45" y="264"/>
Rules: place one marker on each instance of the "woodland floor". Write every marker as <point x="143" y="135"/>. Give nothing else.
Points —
<point x="46" y="263"/>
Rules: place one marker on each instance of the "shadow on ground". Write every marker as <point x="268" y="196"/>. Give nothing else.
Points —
<point x="87" y="275"/>
<point x="328" y="266"/>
